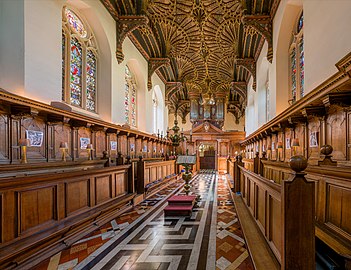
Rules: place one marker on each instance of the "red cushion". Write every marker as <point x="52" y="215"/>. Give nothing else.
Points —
<point x="182" y="198"/>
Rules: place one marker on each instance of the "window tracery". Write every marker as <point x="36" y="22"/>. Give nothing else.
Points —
<point x="79" y="63"/>
<point x="297" y="63"/>
<point x="130" y="98"/>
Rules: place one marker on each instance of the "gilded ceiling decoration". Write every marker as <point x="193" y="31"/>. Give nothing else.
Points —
<point x="197" y="46"/>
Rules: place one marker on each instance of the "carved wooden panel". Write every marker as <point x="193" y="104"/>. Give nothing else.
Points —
<point x="336" y="132"/>
<point x="131" y="147"/>
<point x="147" y="176"/>
<point x="159" y="172"/>
<point x="260" y="206"/>
<point x="121" y="184"/>
<point x="149" y="149"/>
<point x="15" y="136"/>
<point x="122" y="145"/>
<point x="338" y="208"/>
<point x="274" y="234"/>
<point x="313" y="144"/>
<point x="112" y="137"/>
<point x="349" y="135"/>
<point x="83" y="133"/>
<point x="274" y="146"/>
<point x="153" y="174"/>
<point x="103" y="188"/>
<point x="1" y="218"/>
<point x="36" y="207"/>
<point x="300" y="134"/>
<point x="138" y="147"/>
<point x="252" y="196"/>
<point x="37" y="151"/>
<point x="4" y="142"/>
<point x="61" y="133"/>
<point x="100" y="143"/>
<point x="289" y="135"/>
<point x="77" y="195"/>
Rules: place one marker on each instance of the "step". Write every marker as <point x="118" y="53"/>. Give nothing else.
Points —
<point x="178" y="210"/>
<point x="182" y="200"/>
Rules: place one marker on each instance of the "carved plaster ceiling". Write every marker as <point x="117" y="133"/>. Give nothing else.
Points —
<point x="197" y="46"/>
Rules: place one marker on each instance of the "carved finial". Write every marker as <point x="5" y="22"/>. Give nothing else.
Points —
<point x="327" y="150"/>
<point x="264" y="154"/>
<point x="257" y="153"/>
<point x="298" y="163"/>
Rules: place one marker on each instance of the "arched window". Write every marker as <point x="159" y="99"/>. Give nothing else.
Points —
<point x="154" y="110"/>
<point x="130" y="98"/>
<point x="79" y="63"/>
<point x="297" y="62"/>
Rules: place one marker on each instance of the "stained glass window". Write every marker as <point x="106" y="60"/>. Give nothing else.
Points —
<point x="302" y="67"/>
<point x="79" y="61"/>
<point x="297" y="63"/>
<point x="76" y="72"/>
<point x="293" y="74"/>
<point x="75" y="23"/>
<point x="91" y="80"/>
<point x="63" y="64"/>
<point x="300" y="24"/>
<point x="130" y="98"/>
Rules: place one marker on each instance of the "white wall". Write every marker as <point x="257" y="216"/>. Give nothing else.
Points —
<point x="326" y="24"/>
<point x="42" y="54"/>
<point x="30" y="57"/>
<point x="283" y="23"/>
<point x="327" y="38"/>
<point x="12" y="46"/>
<point x="186" y="127"/>
<point x="230" y="125"/>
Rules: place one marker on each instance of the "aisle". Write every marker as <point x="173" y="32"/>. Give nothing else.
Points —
<point x="145" y="239"/>
<point x="231" y="249"/>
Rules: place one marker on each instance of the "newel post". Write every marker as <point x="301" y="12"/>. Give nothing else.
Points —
<point x="261" y="172"/>
<point x="140" y="173"/>
<point x="237" y="163"/>
<point x="228" y="165"/>
<point x="119" y="159"/>
<point x="130" y="173"/>
<point x="257" y="163"/>
<point x="298" y="219"/>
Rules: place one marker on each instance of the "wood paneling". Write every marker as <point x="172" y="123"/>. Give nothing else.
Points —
<point x="275" y="232"/>
<point x="36" y="207"/>
<point x="40" y="212"/>
<point x="77" y="195"/>
<point x="103" y="188"/>
<point x="4" y="142"/>
<point x="260" y="206"/>
<point x="338" y="208"/>
<point x="336" y="132"/>
<point x="121" y="184"/>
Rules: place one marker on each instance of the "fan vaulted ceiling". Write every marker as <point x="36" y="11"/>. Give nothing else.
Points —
<point x="197" y="46"/>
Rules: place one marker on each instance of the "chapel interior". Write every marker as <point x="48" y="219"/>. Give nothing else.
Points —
<point x="175" y="134"/>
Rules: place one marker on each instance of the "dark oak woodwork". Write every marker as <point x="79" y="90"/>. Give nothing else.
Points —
<point x="50" y="211"/>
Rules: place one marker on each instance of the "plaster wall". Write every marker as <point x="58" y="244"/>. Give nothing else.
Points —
<point x="31" y="56"/>
<point x="12" y="46"/>
<point x="327" y="38"/>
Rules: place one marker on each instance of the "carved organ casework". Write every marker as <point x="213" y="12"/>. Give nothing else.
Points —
<point x="207" y="108"/>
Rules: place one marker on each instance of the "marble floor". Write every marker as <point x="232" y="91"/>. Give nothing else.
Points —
<point x="211" y="238"/>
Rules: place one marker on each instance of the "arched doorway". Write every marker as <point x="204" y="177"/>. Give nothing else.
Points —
<point x="207" y="153"/>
